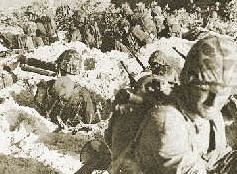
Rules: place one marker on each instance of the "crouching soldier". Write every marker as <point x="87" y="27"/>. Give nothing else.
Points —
<point x="65" y="103"/>
<point x="165" y="75"/>
<point x="131" y="106"/>
<point x="7" y="77"/>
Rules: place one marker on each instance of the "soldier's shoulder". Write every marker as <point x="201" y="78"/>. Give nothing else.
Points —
<point x="164" y="109"/>
<point x="166" y="114"/>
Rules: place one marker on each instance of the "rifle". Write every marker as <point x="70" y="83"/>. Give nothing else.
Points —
<point x="137" y="59"/>
<point x="133" y="82"/>
<point x="177" y="51"/>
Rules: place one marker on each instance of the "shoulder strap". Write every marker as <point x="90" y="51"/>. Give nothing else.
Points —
<point x="212" y="137"/>
<point x="118" y="161"/>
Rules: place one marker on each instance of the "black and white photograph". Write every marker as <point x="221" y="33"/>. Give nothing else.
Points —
<point x="118" y="86"/>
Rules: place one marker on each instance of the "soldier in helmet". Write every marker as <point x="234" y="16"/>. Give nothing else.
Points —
<point x="131" y="106"/>
<point x="187" y="135"/>
<point x="74" y="33"/>
<point x="165" y="75"/>
<point x="149" y="26"/>
<point x="172" y="27"/>
<point x="65" y="102"/>
<point x="123" y="36"/>
<point x="140" y="7"/>
<point x="126" y="10"/>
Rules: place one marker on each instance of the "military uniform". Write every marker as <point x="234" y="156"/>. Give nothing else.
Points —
<point x="181" y="135"/>
<point x="203" y="140"/>
<point x="130" y="108"/>
<point x="62" y="100"/>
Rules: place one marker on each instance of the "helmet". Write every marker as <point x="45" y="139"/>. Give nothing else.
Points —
<point x="157" y="10"/>
<point x="127" y="9"/>
<point x="212" y="60"/>
<point x="164" y="66"/>
<point x="70" y="62"/>
<point x="124" y="23"/>
<point x="157" y="57"/>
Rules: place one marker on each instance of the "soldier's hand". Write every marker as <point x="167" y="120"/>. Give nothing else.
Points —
<point x="122" y="96"/>
<point x="124" y="108"/>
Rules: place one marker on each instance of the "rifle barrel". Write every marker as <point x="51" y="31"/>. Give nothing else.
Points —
<point x="131" y="78"/>
<point x="177" y="51"/>
<point x="137" y="59"/>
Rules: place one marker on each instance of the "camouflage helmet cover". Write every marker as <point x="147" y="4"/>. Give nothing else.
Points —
<point x="157" y="10"/>
<point x="212" y="60"/>
<point x="123" y="23"/>
<point x="70" y="61"/>
<point x="165" y="66"/>
<point x="126" y="9"/>
<point x="158" y="57"/>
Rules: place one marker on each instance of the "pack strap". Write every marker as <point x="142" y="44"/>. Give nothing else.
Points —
<point x="119" y="160"/>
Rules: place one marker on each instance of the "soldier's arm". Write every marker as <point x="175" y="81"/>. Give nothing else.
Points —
<point x="165" y="144"/>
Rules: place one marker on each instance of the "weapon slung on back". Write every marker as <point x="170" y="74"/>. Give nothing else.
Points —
<point x="177" y="51"/>
<point x="133" y="82"/>
<point x="137" y="59"/>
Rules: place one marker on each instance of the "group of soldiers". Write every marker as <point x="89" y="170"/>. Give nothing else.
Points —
<point x="117" y="28"/>
<point x="127" y="29"/>
<point x="169" y="121"/>
<point x="61" y="100"/>
<point x="181" y="130"/>
<point x="69" y="104"/>
<point x="80" y="26"/>
<point x="121" y="28"/>
<point x="38" y="32"/>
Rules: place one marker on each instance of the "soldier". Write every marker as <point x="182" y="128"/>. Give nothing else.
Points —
<point x="96" y="32"/>
<point x="187" y="135"/>
<point x="25" y="42"/>
<point x="164" y="77"/>
<point x="65" y="103"/>
<point x="149" y="26"/>
<point x="126" y="10"/>
<point x="41" y="30"/>
<point x="50" y="27"/>
<point x="30" y="28"/>
<point x="132" y="105"/>
<point x="142" y="38"/>
<point x="74" y="34"/>
<point x="61" y="92"/>
<point x="158" y="18"/>
<point x="123" y="36"/>
<point x="213" y="22"/>
<point x="7" y="77"/>
<point x="140" y="7"/>
<point x="32" y="33"/>
<point x="89" y="38"/>
<point x="162" y="65"/>
<point x="30" y="13"/>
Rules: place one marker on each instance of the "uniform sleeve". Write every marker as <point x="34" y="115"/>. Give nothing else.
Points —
<point x="165" y="144"/>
